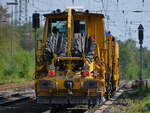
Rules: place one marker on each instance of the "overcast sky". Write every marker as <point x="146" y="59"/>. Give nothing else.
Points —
<point x="122" y="22"/>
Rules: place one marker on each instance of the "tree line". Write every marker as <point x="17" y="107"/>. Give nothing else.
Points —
<point x="130" y="60"/>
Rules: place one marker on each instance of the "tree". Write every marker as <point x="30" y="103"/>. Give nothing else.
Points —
<point x="129" y="59"/>
<point x="3" y="13"/>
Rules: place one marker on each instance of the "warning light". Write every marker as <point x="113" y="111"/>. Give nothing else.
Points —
<point x="86" y="73"/>
<point x="51" y="73"/>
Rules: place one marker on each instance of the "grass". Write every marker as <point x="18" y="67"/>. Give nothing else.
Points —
<point x="14" y="79"/>
<point x="139" y="101"/>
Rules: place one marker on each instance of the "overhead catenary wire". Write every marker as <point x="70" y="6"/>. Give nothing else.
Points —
<point x="108" y="7"/>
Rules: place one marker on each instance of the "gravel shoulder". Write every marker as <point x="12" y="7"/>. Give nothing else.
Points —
<point x="132" y="101"/>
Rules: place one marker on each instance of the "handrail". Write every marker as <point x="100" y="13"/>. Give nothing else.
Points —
<point x="68" y="58"/>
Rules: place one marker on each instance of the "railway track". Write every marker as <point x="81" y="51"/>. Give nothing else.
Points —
<point x="15" y="97"/>
<point x="93" y="109"/>
<point x="21" y="100"/>
<point x="24" y="102"/>
<point x="12" y="86"/>
<point x="99" y="108"/>
<point x="17" y="102"/>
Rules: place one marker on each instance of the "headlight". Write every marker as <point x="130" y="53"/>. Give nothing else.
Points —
<point x="86" y="70"/>
<point x="86" y="73"/>
<point x="51" y="71"/>
<point x="51" y="67"/>
<point x="95" y="73"/>
<point x="86" y="67"/>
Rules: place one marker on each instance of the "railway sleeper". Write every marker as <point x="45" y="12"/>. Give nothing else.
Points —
<point x="12" y="100"/>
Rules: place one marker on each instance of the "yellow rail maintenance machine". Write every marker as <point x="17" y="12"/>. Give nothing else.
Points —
<point x="77" y="63"/>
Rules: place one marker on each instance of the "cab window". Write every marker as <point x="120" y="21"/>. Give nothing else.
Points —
<point x="60" y="26"/>
<point x="57" y="26"/>
<point x="79" y="26"/>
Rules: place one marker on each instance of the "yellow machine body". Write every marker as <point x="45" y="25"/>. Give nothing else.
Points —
<point x="81" y="86"/>
<point x="112" y="62"/>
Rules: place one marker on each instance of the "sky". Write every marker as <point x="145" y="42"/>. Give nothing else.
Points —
<point x="120" y="17"/>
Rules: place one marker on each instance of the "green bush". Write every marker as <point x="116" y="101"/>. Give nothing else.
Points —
<point x="20" y="67"/>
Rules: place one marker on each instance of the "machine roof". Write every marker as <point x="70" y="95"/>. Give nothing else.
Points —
<point x="75" y="13"/>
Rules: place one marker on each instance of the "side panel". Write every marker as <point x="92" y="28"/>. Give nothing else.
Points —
<point x="95" y="26"/>
<point x="116" y="62"/>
